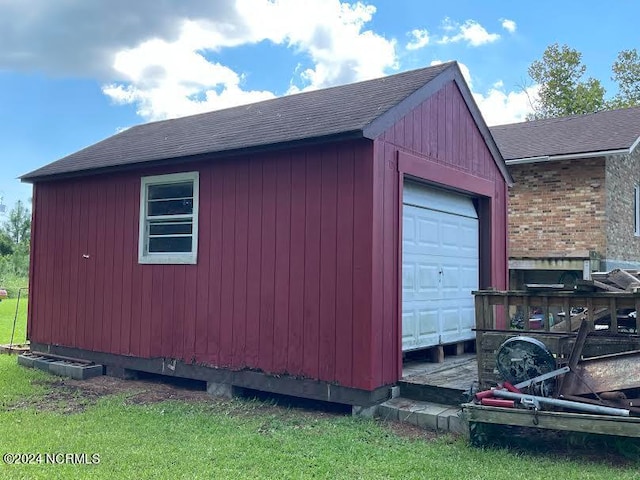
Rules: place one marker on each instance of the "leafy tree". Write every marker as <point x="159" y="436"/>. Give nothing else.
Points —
<point x="626" y="73"/>
<point x="18" y="225"/>
<point x="562" y="90"/>
<point x="6" y="244"/>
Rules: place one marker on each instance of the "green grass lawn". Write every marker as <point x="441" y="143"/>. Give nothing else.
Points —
<point x="7" y="315"/>
<point x="208" y="438"/>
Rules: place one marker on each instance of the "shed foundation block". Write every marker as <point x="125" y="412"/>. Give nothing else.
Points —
<point x="222" y="390"/>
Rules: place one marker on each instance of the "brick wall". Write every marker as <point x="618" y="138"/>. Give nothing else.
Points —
<point x="557" y="207"/>
<point x="623" y="247"/>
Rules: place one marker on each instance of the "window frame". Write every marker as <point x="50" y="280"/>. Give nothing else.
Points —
<point x="146" y="257"/>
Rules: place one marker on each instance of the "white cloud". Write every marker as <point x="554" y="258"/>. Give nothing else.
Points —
<point x="470" y="32"/>
<point x="509" y="25"/>
<point x="497" y="105"/>
<point x="419" y="39"/>
<point x="172" y="78"/>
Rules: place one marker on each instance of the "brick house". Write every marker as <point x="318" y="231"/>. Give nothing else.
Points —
<point x="575" y="204"/>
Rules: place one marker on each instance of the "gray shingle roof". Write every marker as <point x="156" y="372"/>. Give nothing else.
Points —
<point x="595" y="132"/>
<point x="327" y="113"/>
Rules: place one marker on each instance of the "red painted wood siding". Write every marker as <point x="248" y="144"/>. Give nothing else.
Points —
<point x="442" y="135"/>
<point x="283" y="281"/>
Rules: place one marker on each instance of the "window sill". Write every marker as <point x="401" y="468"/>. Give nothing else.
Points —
<point x="168" y="259"/>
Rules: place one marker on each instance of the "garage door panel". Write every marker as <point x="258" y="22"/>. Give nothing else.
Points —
<point x="440" y="267"/>
<point x="428" y="234"/>
<point x="427" y="278"/>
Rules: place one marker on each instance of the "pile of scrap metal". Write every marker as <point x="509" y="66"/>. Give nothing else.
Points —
<point x="533" y="380"/>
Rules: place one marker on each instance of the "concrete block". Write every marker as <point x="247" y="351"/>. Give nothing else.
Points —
<point x="427" y="420"/>
<point x="42" y="363"/>
<point x="442" y="423"/>
<point x="395" y="391"/>
<point x="90" y="371"/>
<point x="25" y="361"/>
<point x="385" y="412"/>
<point x="59" y="368"/>
<point x="367" y="412"/>
<point x="458" y="425"/>
<point x="224" y="390"/>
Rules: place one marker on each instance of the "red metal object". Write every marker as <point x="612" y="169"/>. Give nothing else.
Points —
<point x="498" y="402"/>
<point x="510" y="387"/>
<point x="484" y="394"/>
<point x="298" y="267"/>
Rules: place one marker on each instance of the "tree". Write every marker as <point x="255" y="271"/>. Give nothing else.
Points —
<point x="562" y="91"/>
<point x="626" y="73"/>
<point x="18" y="226"/>
<point x="6" y="244"/>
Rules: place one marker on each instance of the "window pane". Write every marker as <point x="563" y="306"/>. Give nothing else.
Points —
<point x="170" y="190"/>
<point x="170" y="244"/>
<point x="170" y="228"/>
<point x="170" y="207"/>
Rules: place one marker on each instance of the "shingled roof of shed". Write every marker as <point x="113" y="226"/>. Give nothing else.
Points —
<point x="605" y="131"/>
<point x="358" y="110"/>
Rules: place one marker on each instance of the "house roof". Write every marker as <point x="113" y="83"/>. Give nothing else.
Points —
<point x="604" y="131"/>
<point x="358" y="110"/>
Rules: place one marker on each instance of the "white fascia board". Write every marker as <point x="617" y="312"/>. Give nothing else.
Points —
<point x="569" y="156"/>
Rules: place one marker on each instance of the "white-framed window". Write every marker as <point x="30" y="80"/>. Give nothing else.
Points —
<point x="169" y="218"/>
<point x="636" y="210"/>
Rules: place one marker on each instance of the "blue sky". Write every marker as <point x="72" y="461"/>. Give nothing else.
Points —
<point x="74" y="72"/>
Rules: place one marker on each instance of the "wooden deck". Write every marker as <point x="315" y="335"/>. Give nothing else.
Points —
<point x="447" y="382"/>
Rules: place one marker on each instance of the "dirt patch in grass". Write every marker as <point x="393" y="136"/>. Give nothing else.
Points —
<point x="408" y="430"/>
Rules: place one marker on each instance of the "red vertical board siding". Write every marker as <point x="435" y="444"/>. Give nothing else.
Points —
<point x="110" y="324"/>
<point x="378" y="253"/>
<point x="267" y="264"/>
<point x="313" y="210"/>
<point x="168" y="290"/>
<point x="129" y="259"/>
<point x="241" y="264"/>
<point x="196" y="328"/>
<point x="211" y="329"/>
<point x="390" y="261"/>
<point x="282" y="262"/>
<point x="295" y="338"/>
<point x="362" y="269"/>
<point x="344" y="270"/>
<point x="283" y="279"/>
<point x="254" y="239"/>
<point x="328" y="235"/>
<point x="227" y="263"/>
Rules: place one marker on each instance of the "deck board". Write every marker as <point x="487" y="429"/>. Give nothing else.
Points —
<point x="566" y="421"/>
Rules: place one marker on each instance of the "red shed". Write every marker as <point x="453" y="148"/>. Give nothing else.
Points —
<point x="262" y="246"/>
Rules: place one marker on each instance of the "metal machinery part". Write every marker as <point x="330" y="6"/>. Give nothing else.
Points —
<point x="523" y="358"/>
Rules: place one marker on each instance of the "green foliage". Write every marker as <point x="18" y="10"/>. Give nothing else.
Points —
<point x="14" y="249"/>
<point x="6" y="244"/>
<point x="18" y="225"/>
<point x="563" y="91"/>
<point x="626" y="73"/>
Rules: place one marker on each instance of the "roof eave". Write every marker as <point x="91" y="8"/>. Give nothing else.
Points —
<point x="341" y="136"/>
<point x="570" y="156"/>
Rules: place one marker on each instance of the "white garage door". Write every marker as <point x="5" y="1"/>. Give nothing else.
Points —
<point x="439" y="267"/>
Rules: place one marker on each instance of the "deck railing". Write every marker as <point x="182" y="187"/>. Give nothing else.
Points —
<point x="554" y="318"/>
